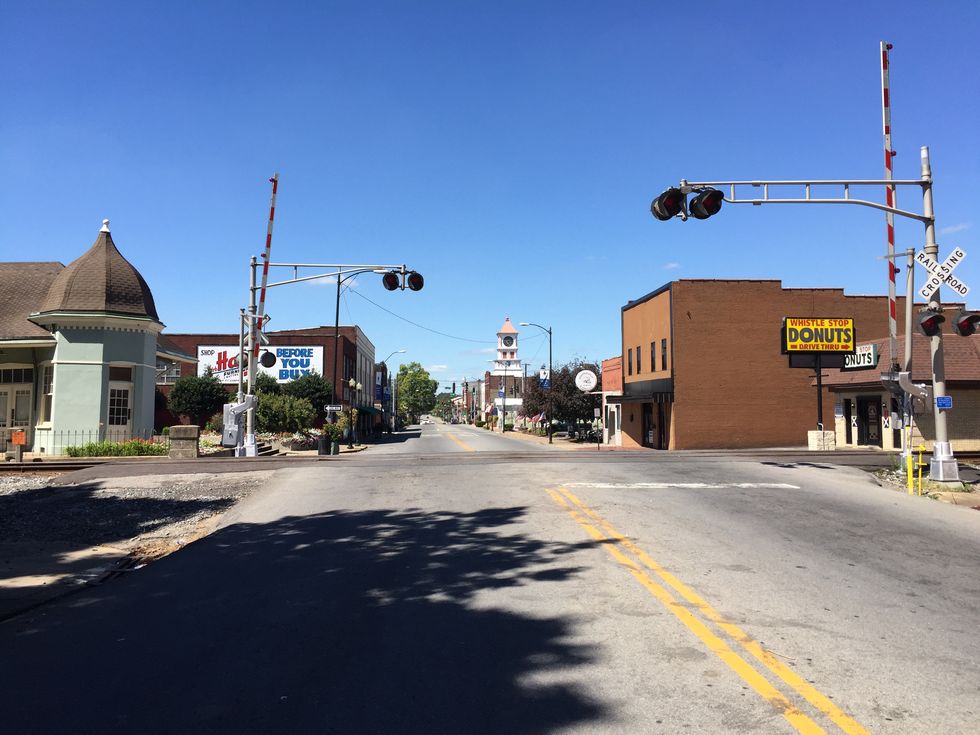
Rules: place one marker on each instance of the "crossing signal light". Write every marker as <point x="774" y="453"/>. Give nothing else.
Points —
<point x="391" y="280"/>
<point x="965" y="323"/>
<point x="930" y="323"/>
<point x="415" y="280"/>
<point x="668" y="205"/>
<point x="706" y="203"/>
<point x="267" y="359"/>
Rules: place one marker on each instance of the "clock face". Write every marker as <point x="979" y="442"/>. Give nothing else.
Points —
<point x="508" y="341"/>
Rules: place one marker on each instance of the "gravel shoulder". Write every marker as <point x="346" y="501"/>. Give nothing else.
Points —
<point x="57" y="534"/>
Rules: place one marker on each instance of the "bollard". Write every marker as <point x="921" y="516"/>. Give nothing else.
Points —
<point x="922" y="464"/>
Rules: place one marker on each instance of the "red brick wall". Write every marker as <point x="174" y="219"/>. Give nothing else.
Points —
<point x="732" y="385"/>
<point x="612" y="374"/>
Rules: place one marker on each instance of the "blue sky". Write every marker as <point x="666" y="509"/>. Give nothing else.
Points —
<point x="509" y="151"/>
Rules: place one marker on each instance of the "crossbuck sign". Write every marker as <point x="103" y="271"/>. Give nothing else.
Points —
<point x="940" y="273"/>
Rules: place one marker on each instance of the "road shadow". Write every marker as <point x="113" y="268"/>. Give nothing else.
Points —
<point x="400" y="437"/>
<point x="48" y="534"/>
<point x="794" y="465"/>
<point x="380" y="621"/>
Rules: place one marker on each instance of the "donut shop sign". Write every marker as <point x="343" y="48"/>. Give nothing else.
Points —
<point x="818" y="334"/>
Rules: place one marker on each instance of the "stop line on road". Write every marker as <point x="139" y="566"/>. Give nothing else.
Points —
<point x="681" y="485"/>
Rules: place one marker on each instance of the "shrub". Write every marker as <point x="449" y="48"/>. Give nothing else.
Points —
<point x="216" y="422"/>
<point x="265" y="383"/>
<point x="132" y="448"/>
<point x="479" y="424"/>
<point x="334" y="431"/>
<point x="313" y="388"/>
<point x="197" y="397"/>
<point x="282" y="413"/>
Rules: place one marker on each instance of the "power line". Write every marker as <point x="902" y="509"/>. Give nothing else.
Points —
<point x="420" y="326"/>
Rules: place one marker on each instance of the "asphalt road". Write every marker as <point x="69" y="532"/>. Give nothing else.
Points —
<point x="457" y="581"/>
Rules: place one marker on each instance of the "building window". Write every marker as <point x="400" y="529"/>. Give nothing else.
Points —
<point x="639" y="360"/>
<point x="663" y="354"/>
<point x="167" y="372"/>
<point x="629" y="361"/>
<point x="47" y="392"/>
<point x="17" y="375"/>
<point x="653" y="357"/>
<point x="118" y="406"/>
<point x="123" y="374"/>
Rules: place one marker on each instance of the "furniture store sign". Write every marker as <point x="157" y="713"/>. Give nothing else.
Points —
<point x="291" y="361"/>
<point x="808" y="334"/>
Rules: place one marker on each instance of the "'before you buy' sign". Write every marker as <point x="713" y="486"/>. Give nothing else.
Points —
<point x="291" y="361"/>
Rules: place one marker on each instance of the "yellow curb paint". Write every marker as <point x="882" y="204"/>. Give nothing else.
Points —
<point x="716" y="645"/>
<point x="464" y="445"/>
<point x="806" y="690"/>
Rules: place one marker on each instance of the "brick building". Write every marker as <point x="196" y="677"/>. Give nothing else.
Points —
<point x="612" y="388"/>
<point x="702" y="363"/>
<point x="861" y="405"/>
<point x="349" y="347"/>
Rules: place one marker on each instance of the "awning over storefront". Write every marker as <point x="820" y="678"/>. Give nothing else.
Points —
<point x="645" y="391"/>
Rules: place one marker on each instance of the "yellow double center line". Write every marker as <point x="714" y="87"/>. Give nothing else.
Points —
<point x="466" y="447"/>
<point x="592" y="522"/>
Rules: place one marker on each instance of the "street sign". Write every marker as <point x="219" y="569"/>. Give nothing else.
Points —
<point x="940" y="273"/>
<point x="586" y="380"/>
<point x="333" y="407"/>
<point x="944" y="401"/>
<point x="500" y="393"/>
<point x="545" y="383"/>
<point x="544" y="374"/>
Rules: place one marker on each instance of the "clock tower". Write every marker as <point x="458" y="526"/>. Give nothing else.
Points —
<point x="507" y="361"/>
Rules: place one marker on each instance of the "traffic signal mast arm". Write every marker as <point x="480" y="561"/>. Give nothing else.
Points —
<point x="707" y="202"/>
<point x="340" y="270"/>
<point x="688" y="187"/>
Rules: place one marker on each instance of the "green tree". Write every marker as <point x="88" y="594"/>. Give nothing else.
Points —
<point x="197" y="397"/>
<point x="265" y="383"/>
<point x="416" y="390"/>
<point x="444" y="406"/>
<point x="283" y="413"/>
<point x="569" y="404"/>
<point x="314" y="388"/>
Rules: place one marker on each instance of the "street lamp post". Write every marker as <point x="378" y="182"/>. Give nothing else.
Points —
<point x="550" y="387"/>
<point x="355" y="387"/>
<point x="394" y="411"/>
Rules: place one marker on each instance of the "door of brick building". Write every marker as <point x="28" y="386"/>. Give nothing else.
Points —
<point x="869" y="420"/>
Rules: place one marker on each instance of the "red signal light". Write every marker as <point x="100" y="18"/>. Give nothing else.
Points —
<point x="965" y="323"/>
<point x="668" y="205"/>
<point x="706" y="203"/>
<point x="930" y="324"/>
<point x="391" y="280"/>
<point x="415" y="281"/>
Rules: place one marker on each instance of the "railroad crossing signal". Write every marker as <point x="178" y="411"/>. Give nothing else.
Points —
<point x="930" y="323"/>
<point x="673" y="203"/>
<point x="965" y="323"/>
<point x="942" y="273"/>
